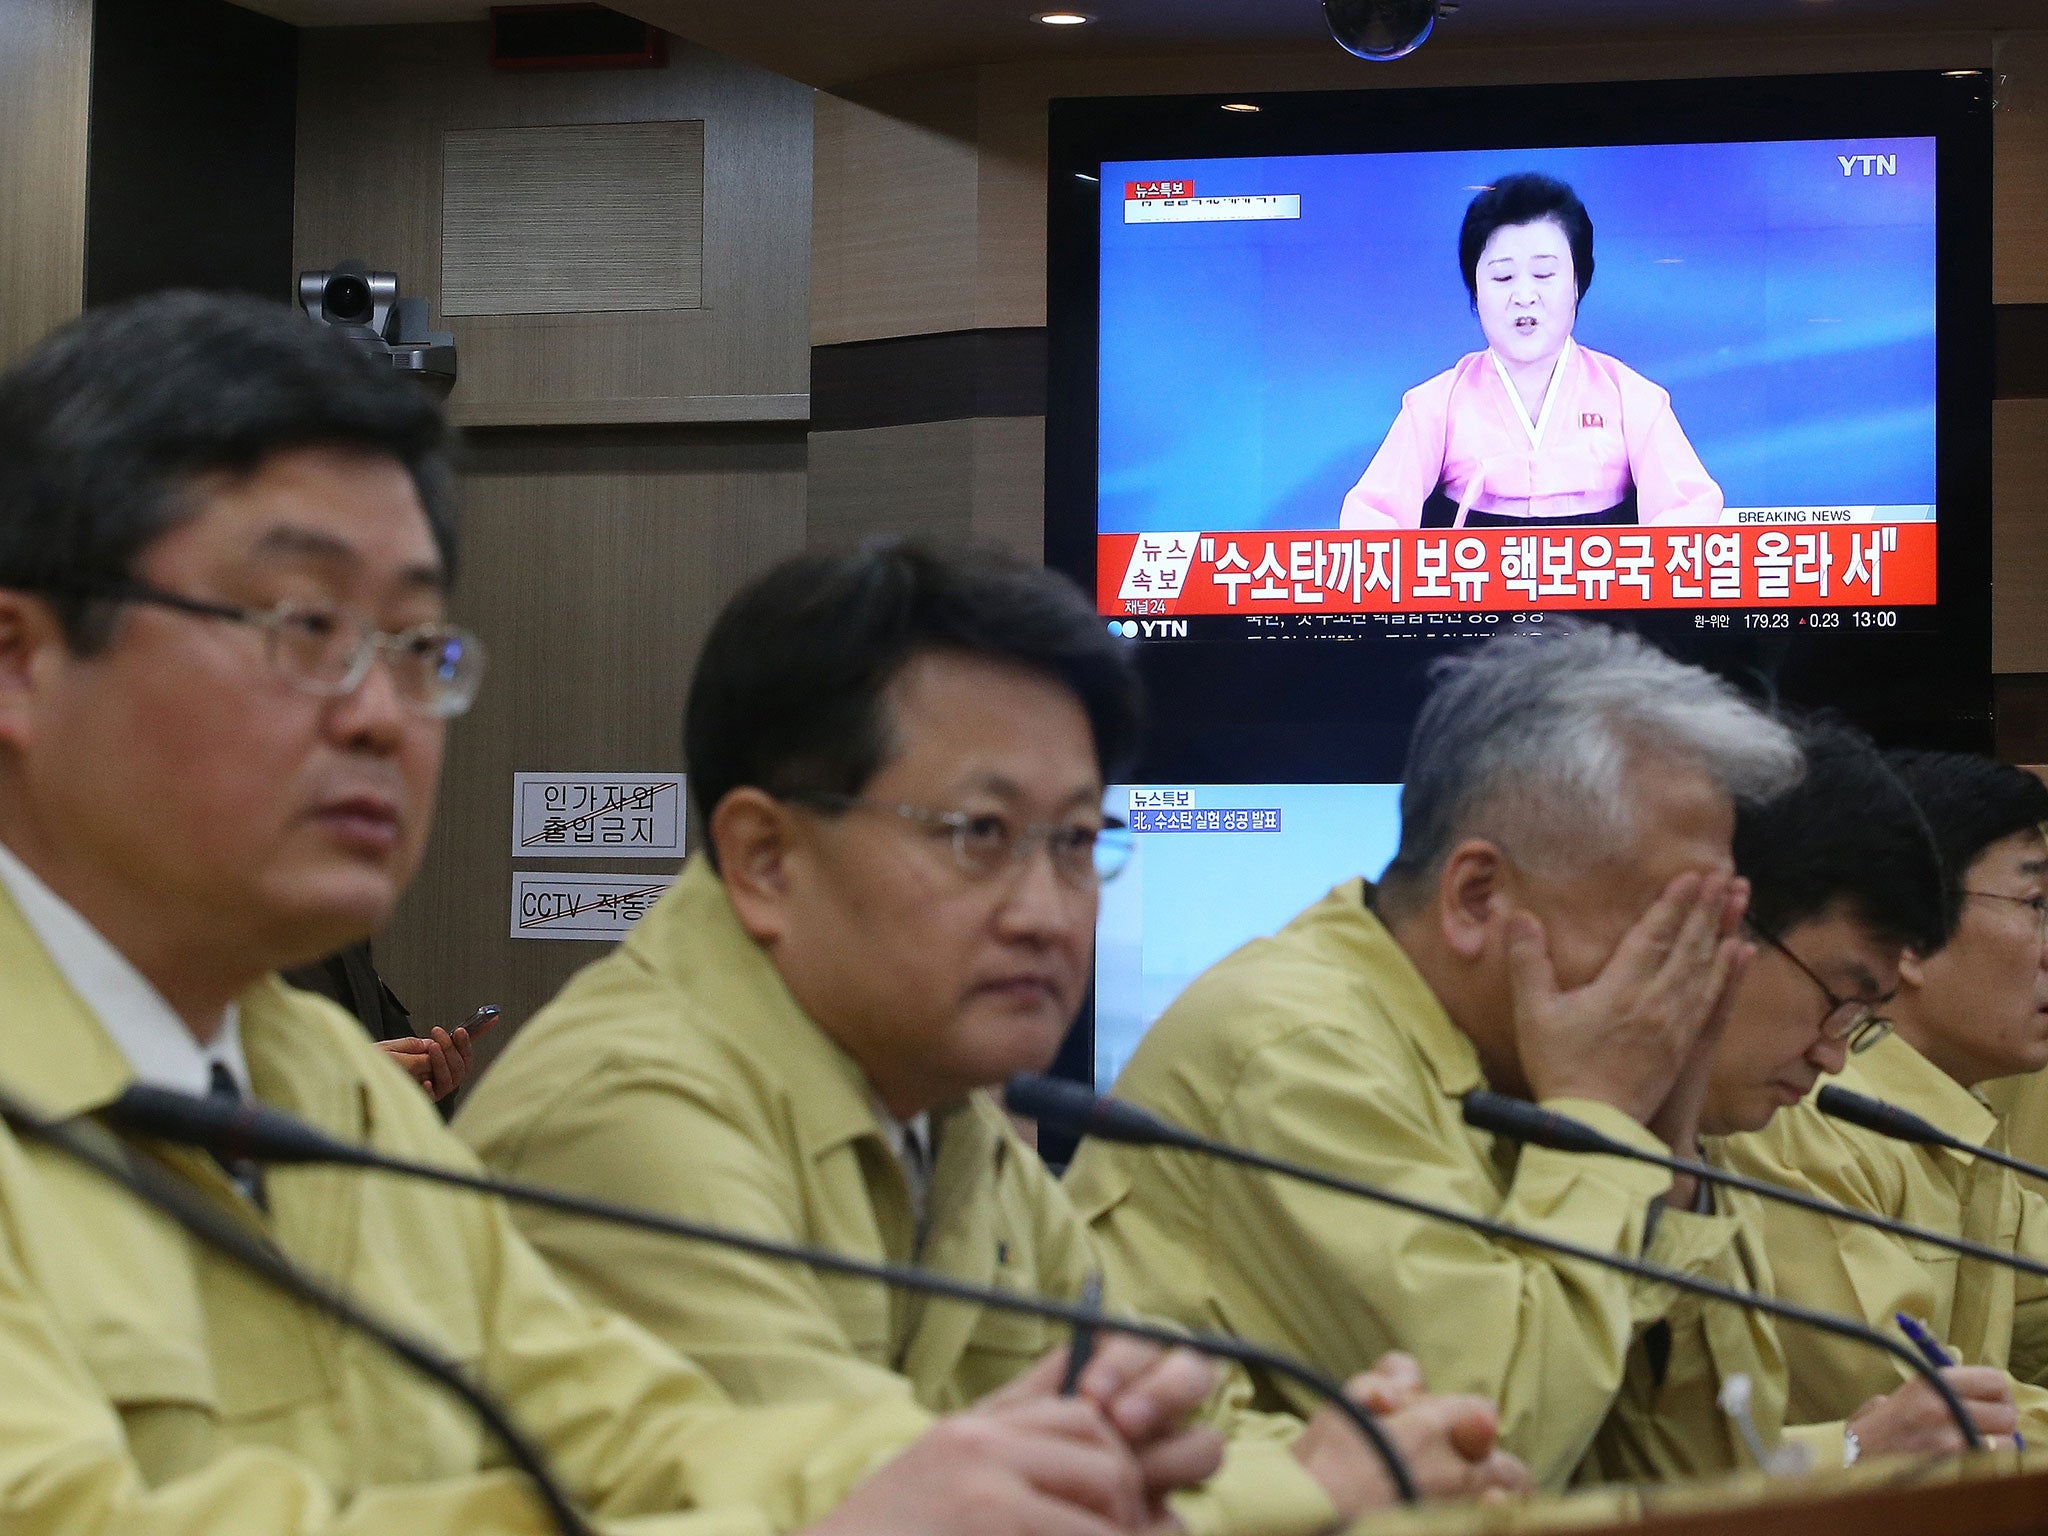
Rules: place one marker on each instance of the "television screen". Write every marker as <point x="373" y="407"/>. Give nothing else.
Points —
<point x="1708" y="359"/>
<point x="1214" y="866"/>
<point x="1369" y="384"/>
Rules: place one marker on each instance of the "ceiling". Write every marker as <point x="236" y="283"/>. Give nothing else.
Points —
<point x="830" y="42"/>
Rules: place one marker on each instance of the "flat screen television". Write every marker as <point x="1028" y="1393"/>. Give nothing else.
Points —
<point x="1214" y="866"/>
<point x="1304" y="435"/>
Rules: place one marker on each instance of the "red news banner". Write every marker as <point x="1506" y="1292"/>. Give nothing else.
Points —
<point x="1873" y="564"/>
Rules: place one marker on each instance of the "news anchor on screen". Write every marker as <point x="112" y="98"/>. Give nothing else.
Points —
<point x="1535" y="430"/>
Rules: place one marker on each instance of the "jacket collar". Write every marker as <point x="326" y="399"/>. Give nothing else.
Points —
<point x="58" y="1055"/>
<point x="1416" y="1014"/>
<point x="692" y="940"/>
<point x="1893" y="1071"/>
<point x="53" y="1052"/>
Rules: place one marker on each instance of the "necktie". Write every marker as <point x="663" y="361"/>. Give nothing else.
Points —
<point x="917" y="1169"/>
<point x="247" y="1173"/>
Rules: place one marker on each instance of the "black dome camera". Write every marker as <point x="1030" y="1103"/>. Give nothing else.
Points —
<point x="1381" y="29"/>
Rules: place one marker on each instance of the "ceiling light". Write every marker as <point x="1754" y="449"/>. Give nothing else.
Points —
<point x="1241" y="106"/>
<point x="1063" y="18"/>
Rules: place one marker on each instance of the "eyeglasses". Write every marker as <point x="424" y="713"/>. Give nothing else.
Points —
<point x="1083" y="854"/>
<point x="2038" y="903"/>
<point x="328" y="652"/>
<point x="1855" y="1021"/>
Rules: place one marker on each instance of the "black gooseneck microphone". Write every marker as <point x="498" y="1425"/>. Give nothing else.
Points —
<point x="1903" y="1125"/>
<point x="1075" y="1107"/>
<point x="172" y="1197"/>
<point x="1520" y="1120"/>
<point x="243" y="1129"/>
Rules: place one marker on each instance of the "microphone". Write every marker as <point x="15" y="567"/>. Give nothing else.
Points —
<point x="244" y="1129"/>
<point x="174" y="1198"/>
<point x="1519" y="1120"/>
<point x="1073" y="1106"/>
<point x="1903" y="1125"/>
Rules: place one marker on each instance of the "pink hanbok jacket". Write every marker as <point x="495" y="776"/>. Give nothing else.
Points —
<point x="1605" y="428"/>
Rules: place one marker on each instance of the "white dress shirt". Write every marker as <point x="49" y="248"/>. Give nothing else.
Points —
<point x="162" y="1051"/>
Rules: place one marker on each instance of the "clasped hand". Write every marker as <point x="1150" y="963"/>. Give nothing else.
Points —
<point x="1026" y="1461"/>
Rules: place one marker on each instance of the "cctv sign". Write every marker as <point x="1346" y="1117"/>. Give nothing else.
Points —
<point x="546" y="905"/>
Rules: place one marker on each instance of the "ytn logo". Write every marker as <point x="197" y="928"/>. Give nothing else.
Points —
<point x="1151" y="629"/>
<point x="1869" y="165"/>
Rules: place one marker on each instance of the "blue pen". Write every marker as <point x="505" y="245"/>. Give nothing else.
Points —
<point x="1935" y="1355"/>
<point x="1923" y="1341"/>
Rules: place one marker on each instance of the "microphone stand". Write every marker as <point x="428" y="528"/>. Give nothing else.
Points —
<point x="1520" y="1120"/>
<point x="1073" y="1106"/>
<point x="246" y="1130"/>
<point x="174" y="1198"/>
<point x="1903" y="1125"/>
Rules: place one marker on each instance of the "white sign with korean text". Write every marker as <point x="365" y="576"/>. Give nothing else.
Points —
<point x="1212" y="210"/>
<point x="547" y="905"/>
<point x="598" y="815"/>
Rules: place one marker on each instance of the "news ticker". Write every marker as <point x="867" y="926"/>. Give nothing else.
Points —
<point x="1172" y="575"/>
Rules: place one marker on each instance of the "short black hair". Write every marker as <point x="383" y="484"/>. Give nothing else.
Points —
<point x="1526" y="197"/>
<point x="1847" y="832"/>
<point x="105" y="424"/>
<point x="788" y="695"/>
<point x="1970" y="802"/>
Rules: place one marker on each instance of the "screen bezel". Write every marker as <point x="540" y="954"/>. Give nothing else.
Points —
<point x="1238" y="711"/>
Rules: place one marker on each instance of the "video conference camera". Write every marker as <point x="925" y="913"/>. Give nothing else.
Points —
<point x="366" y="307"/>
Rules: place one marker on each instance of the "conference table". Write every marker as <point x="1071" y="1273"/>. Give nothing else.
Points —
<point x="1995" y="1493"/>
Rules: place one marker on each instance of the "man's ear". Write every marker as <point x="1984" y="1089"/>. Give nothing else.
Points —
<point x="753" y="833"/>
<point x="28" y="633"/>
<point x="1469" y="890"/>
<point x="1912" y="969"/>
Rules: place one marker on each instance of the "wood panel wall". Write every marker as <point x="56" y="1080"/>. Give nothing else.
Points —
<point x="374" y="103"/>
<point x="2020" y="191"/>
<point x="629" y="471"/>
<point x="974" y="481"/>
<point x="2019" y="536"/>
<point x="594" y="560"/>
<point x="896" y="218"/>
<point x="45" y="102"/>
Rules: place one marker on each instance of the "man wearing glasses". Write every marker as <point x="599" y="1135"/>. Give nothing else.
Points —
<point x="226" y="672"/>
<point x="1966" y="1012"/>
<point x="899" y="760"/>
<point x="1561" y="922"/>
<point x="1844" y="880"/>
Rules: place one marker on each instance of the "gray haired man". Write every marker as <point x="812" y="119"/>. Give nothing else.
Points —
<point x="1560" y="923"/>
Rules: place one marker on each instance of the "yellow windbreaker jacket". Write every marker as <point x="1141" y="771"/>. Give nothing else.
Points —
<point x="1984" y="1313"/>
<point x="147" y="1387"/>
<point x="679" y="1073"/>
<point x="2021" y="1104"/>
<point x="1324" y="1045"/>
